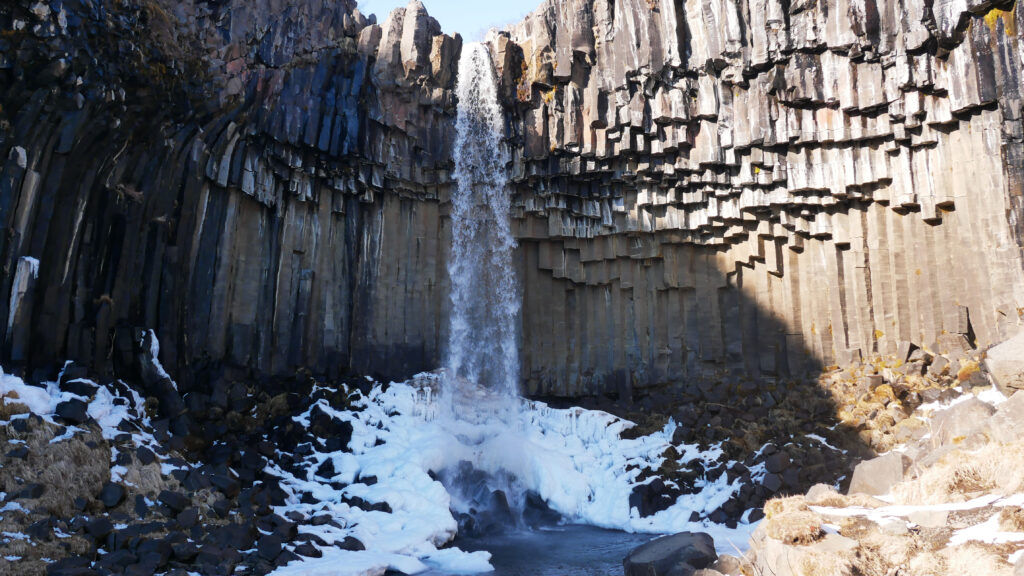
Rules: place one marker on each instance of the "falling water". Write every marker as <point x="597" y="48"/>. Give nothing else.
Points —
<point x="481" y="388"/>
<point x="482" y="347"/>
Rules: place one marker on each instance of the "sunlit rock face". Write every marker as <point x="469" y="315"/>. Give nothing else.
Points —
<point x="755" y="187"/>
<point x="762" y="187"/>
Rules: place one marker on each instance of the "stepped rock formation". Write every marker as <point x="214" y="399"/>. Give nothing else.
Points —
<point x="700" y="187"/>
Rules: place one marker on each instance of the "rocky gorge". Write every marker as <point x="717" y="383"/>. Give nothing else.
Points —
<point x="769" y="221"/>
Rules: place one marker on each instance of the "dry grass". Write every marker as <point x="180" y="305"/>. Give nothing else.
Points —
<point x="789" y="520"/>
<point x="962" y="475"/>
<point x="975" y="559"/>
<point x="832" y="499"/>
<point x="9" y="406"/>
<point x="1011" y="519"/>
<point x="146" y="479"/>
<point x="800" y="528"/>
<point x="814" y="564"/>
<point x="881" y="552"/>
<point x="26" y="557"/>
<point x="778" y="506"/>
<point x="68" y="469"/>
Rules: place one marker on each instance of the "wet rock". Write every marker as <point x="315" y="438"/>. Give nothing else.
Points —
<point x="184" y="551"/>
<point x="352" y="544"/>
<point x="537" y="513"/>
<point x="651" y="497"/>
<point x="31" y="491"/>
<point x="683" y="553"/>
<point x="188" y="517"/>
<point x="145" y="455"/>
<point x="226" y="484"/>
<point x="154" y="554"/>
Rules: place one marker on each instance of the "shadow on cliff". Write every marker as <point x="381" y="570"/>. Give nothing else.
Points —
<point x="749" y="384"/>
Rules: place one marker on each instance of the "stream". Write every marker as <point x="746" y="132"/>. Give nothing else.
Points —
<point x="572" y="550"/>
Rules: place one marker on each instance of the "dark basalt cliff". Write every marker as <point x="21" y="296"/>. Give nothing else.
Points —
<point x="705" y="187"/>
<point x="256" y="182"/>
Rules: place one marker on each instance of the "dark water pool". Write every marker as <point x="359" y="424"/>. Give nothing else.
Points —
<point x="557" y="551"/>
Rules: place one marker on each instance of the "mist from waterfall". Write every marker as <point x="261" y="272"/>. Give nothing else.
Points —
<point x="485" y="305"/>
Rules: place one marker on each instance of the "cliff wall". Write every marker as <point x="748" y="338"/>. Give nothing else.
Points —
<point x="701" y="187"/>
<point x="253" y="181"/>
<point x="754" y="185"/>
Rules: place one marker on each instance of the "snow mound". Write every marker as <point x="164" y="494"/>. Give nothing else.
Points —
<point x="575" y="459"/>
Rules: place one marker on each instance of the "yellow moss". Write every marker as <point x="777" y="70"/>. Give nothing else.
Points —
<point x="879" y="334"/>
<point x="968" y="368"/>
<point x="993" y="17"/>
<point x="885" y="391"/>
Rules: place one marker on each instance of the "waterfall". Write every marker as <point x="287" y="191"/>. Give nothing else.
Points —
<point x="482" y="347"/>
<point x="480" y="390"/>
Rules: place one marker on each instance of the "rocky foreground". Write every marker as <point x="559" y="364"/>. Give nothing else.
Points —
<point x="95" y="482"/>
<point x="947" y="498"/>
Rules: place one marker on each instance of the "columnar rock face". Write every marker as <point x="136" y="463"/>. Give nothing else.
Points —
<point x="749" y="185"/>
<point x="755" y="187"/>
<point x="257" y="182"/>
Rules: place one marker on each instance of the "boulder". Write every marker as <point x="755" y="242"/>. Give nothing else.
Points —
<point x="958" y="420"/>
<point x="112" y="494"/>
<point x="1005" y="424"/>
<point x="73" y="411"/>
<point x="878" y="475"/>
<point x="173" y="500"/>
<point x="679" y="554"/>
<point x="819" y="493"/>
<point x="1005" y="363"/>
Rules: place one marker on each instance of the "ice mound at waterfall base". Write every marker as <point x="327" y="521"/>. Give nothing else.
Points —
<point x="575" y="459"/>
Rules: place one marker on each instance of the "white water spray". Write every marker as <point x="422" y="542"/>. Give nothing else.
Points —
<point x="480" y="393"/>
<point x="482" y="347"/>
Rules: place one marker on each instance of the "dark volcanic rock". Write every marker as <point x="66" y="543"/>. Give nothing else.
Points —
<point x="73" y="411"/>
<point x="269" y="547"/>
<point x="112" y="494"/>
<point x="176" y="501"/>
<point x="99" y="528"/>
<point x="680" y="554"/>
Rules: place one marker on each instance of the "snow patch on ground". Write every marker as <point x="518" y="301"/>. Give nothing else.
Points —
<point x="575" y="459"/>
<point x="987" y="532"/>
